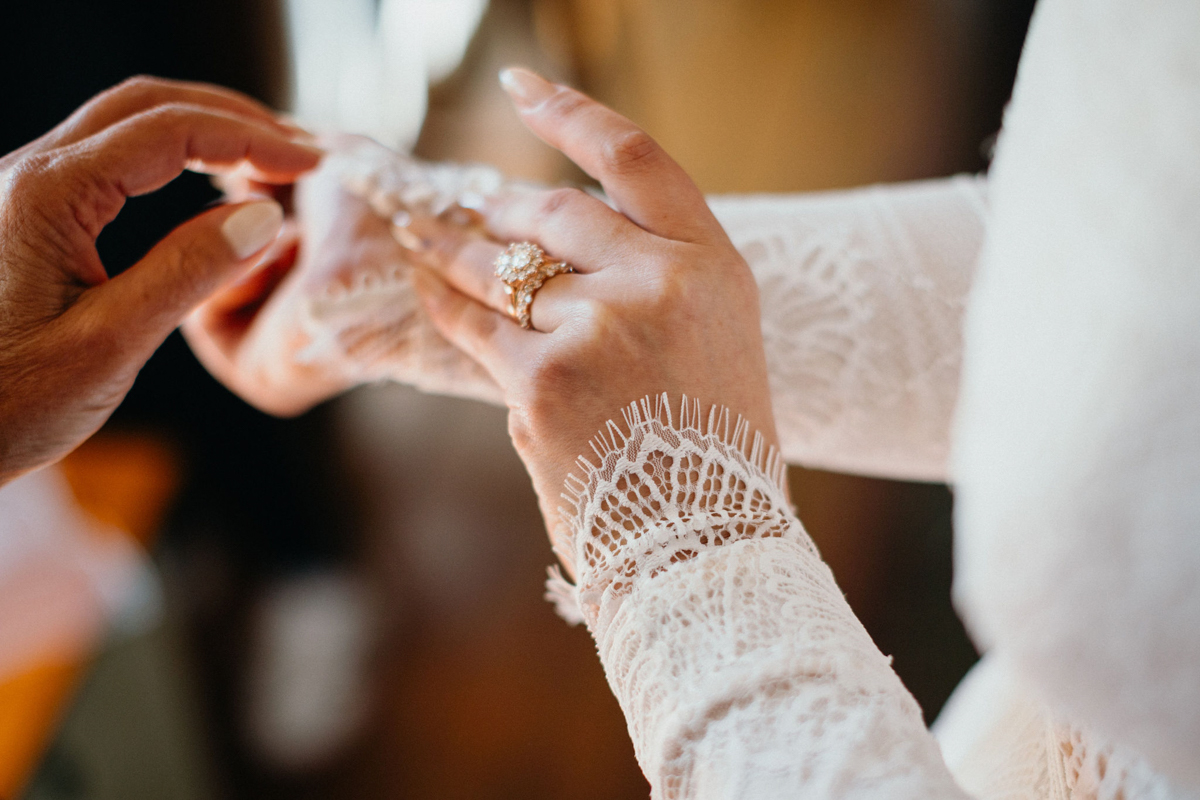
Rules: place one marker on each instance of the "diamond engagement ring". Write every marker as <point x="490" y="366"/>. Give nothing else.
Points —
<point x="523" y="268"/>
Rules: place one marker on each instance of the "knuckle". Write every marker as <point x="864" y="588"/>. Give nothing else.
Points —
<point x="666" y="284"/>
<point x="186" y="266"/>
<point x="166" y="124"/>
<point x="630" y="151"/>
<point x="23" y="180"/>
<point x="556" y="201"/>
<point x="140" y="86"/>
<point x="105" y="343"/>
<point x="599" y="318"/>
<point x="521" y="429"/>
<point x="551" y="376"/>
<point x="138" y="92"/>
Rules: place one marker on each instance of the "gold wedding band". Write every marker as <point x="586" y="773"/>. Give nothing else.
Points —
<point x="523" y="268"/>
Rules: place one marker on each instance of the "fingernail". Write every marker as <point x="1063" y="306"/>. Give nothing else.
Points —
<point x="527" y="89"/>
<point x="252" y="227"/>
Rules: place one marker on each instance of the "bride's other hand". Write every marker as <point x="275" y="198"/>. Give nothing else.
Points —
<point x="250" y="336"/>
<point x="660" y="300"/>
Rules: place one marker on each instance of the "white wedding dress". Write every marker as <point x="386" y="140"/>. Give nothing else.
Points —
<point x="1072" y="355"/>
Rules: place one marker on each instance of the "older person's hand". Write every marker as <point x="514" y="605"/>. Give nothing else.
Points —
<point x="72" y="339"/>
<point x="660" y="302"/>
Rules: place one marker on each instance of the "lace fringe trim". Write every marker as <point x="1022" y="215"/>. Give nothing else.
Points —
<point x="720" y="429"/>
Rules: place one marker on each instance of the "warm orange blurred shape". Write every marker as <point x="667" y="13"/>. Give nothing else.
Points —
<point x="31" y="705"/>
<point x="126" y="482"/>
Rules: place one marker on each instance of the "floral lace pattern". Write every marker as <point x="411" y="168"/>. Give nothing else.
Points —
<point x="372" y="327"/>
<point x="661" y="494"/>
<point x="741" y="669"/>
<point x="1094" y="770"/>
<point x="863" y="294"/>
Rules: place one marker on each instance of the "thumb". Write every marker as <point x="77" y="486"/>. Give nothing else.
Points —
<point x="184" y="269"/>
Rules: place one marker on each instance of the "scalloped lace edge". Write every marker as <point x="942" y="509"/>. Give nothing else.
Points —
<point x="720" y="429"/>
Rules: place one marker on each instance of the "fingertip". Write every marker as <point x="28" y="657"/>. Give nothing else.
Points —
<point x="527" y="89"/>
<point x="307" y="144"/>
<point x="308" y="154"/>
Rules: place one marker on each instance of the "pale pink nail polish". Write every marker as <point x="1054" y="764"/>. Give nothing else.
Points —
<point x="527" y="89"/>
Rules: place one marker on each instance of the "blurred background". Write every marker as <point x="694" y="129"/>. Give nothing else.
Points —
<point x="349" y="604"/>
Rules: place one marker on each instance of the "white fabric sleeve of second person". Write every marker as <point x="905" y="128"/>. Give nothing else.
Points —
<point x="863" y="294"/>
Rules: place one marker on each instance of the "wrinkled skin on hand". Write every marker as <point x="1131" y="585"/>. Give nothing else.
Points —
<point x="72" y="340"/>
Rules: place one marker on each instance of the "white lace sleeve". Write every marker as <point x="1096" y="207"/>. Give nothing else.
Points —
<point x="863" y="295"/>
<point x="740" y="667"/>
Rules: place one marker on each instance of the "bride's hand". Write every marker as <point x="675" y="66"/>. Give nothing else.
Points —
<point x="251" y="334"/>
<point x="660" y="301"/>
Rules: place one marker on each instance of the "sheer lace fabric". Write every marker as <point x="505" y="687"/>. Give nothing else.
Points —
<point x="369" y="326"/>
<point x="740" y="667"/>
<point x="862" y="297"/>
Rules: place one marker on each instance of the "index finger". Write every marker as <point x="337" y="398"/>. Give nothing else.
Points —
<point x="142" y="93"/>
<point x="645" y="183"/>
<point x="148" y="150"/>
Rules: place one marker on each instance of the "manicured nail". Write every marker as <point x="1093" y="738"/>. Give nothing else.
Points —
<point x="252" y="227"/>
<point x="527" y="89"/>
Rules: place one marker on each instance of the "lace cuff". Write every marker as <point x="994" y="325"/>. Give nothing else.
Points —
<point x="659" y="495"/>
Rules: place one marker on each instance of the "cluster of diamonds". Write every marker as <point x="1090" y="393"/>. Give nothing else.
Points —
<point x="523" y="268"/>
